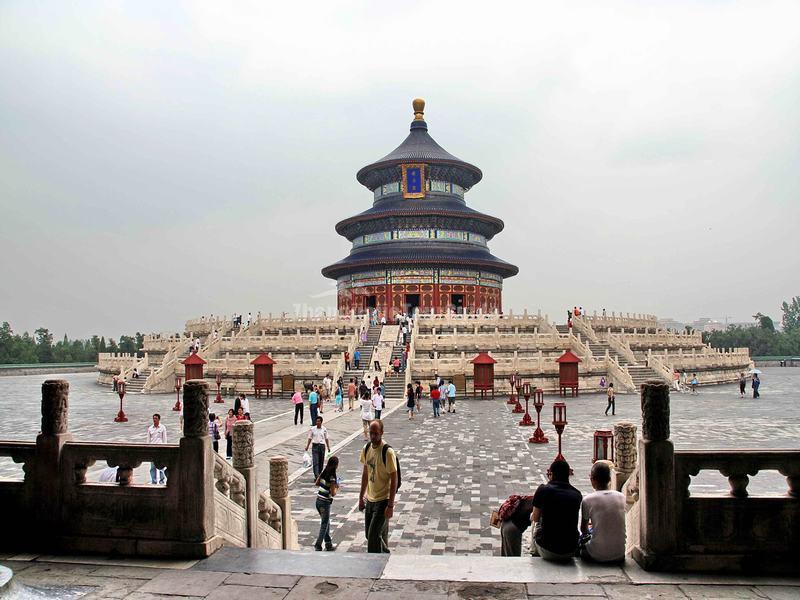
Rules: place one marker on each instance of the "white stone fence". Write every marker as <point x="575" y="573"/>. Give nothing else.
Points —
<point x="497" y="340"/>
<point x="115" y="362"/>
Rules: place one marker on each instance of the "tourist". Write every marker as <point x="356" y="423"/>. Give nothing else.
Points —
<point x="114" y="383"/>
<point x="378" y="488"/>
<point x="435" y="395"/>
<point x="411" y="400"/>
<point x="555" y="515"/>
<point x="328" y="486"/>
<point x="213" y="431"/>
<point x="611" y="400"/>
<point x="318" y="440"/>
<point x="376" y="363"/>
<point x="237" y="403"/>
<point x="377" y="402"/>
<point x="676" y="377"/>
<point x="442" y="393"/>
<point x="375" y="382"/>
<point x="693" y="383"/>
<point x="356" y="359"/>
<point x="135" y="372"/>
<point x="742" y="384"/>
<point x="229" y="421"/>
<point x="240" y="415"/>
<point x="338" y="399"/>
<point x="366" y="414"/>
<point x="602" y="383"/>
<point x="346" y="360"/>
<point x="756" y="384"/>
<point x="515" y="524"/>
<point x="313" y="404"/>
<point x="157" y="434"/>
<point x="604" y="541"/>
<point x="396" y="365"/>
<point x="351" y="393"/>
<point x="418" y="395"/>
<point x="363" y="336"/>
<point x="297" y="401"/>
<point x="451" y="396"/>
<point x="604" y="313"/>
<point x="245" y="404"/>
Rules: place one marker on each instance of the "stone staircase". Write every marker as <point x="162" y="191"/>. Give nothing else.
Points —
<point x="641" y="373"/>
<point x="395" y="384"/>
<point x="599" y="351"/>
<point x="134" y="385"/>
<point x="365" y="356"/>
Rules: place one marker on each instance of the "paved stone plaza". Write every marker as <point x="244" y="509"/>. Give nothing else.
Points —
<point x="456" y="469"/>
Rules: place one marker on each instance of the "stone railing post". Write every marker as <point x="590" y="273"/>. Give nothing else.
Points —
<point x="243" y="462"/>
<point x="624" y="451"/>
<point x="656" y="479"/>
<point x="196" y="468"/>
<point x="44" y="479"/>
<point x="279" y="492"/>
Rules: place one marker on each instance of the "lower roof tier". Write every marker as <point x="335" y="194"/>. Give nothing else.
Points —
<point x="422" y="254"/>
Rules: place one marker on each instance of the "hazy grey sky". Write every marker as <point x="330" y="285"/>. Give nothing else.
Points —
<point x="161" y="160"/>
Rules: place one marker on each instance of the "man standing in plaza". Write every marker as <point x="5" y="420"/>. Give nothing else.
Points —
<point x="378" y="489"/>
<point x="451" y="396"/>
<point x="313" y="403"/>
<point x="351" y="393"/>
<point x="555" y="515"/>
<point x="377" y="402"/>
<point x="318" y="440"/>
<point x="157" y="434"/>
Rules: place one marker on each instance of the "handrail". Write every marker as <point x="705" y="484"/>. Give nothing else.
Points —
<point x="585" y="328"/>
<point x="621" y="375"/>
<point x="661" y="368"/>
<point x="621" y="347"/>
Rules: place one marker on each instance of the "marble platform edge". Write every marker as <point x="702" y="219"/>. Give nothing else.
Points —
<point x="103" y="561"/>
<point x="470" y="568"/>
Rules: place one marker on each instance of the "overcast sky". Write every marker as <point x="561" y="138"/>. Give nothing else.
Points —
<point x="162" y="160"/>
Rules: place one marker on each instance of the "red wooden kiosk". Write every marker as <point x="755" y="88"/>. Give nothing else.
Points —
<point x="483" y="374"/>
<point x="262" y="374"/>
<point x="193" y="365"/>
<point x="568" y="373"/>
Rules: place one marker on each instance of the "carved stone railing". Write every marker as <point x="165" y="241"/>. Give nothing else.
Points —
<point x="494" y="341"/>
<point x="78" y="457"/>
<point x="662" y="369"/>
<point x="579" y="347"/>
<point x="228" y="481"/>
<point x="621" y="376"/>
<point x="20" y="453"/>
<point x="115" y="362"/>
<point x="620" y="345"/>
<point x="584" y="327"/>
<point x="140" y="364"/>
<point x="626" y="321"/>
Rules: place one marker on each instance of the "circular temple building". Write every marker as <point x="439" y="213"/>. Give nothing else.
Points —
<point x="420" y="245"/>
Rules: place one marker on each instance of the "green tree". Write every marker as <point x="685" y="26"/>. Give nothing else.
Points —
<point x="44" y="345"/>
<point x="791" y="315"/>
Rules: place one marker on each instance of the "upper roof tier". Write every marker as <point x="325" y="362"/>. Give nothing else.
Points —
<point x="419" y="146"/>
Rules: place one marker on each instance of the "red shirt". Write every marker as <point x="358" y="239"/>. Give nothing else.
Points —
<point x="435" y="394"/>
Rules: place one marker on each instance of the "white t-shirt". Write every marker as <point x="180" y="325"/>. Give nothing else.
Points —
<point x="245" y="405"/>
<point x="377" y="401"/>
<point x="606" y="509"/>
<point x="318" y="435"/>
<point x="366" y="410"/>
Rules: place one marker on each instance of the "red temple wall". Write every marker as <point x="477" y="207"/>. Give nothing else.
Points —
<point x="439" y="297"/>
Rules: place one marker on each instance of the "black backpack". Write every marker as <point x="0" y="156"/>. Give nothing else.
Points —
<point x="383" y="454"/>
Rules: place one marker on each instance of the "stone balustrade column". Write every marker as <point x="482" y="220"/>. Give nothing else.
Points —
<point x="196" y="468"/>
<point x="243" y="445"/>
<point x="279" y="492"/>
<point x="658" y="526"/>
<point x="624" y="451"/>
<point x="43" y="480"/>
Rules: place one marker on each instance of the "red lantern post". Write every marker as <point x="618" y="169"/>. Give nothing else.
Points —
<point x="218" y="399"/>
<point x="538" y="436"/>
<point x="526" y="418"/>
<point x="121" y="418"/>
<point x="559" y="421"/>
<point x="177" y="406"/>
<point x="513" y="381"/>
<point x="518" y="407"/>
<point x="603" y="440"/>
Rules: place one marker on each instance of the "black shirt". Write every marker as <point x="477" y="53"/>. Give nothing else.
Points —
<point x="559" y="503"/>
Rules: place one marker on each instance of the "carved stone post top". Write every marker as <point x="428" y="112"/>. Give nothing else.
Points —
<point x="655" y="411"/>
<point x="55" y="407"/>
<point x="279" y="477"/>
<point x="195" y="408"/>
<point x="243" y="444"/>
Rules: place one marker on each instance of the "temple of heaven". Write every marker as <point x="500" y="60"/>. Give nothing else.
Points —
<point x="420" y="245"/>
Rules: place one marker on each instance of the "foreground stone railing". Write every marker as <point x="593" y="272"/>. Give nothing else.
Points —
<point x="55" y="508"/>
<point x="734" y="532"/>
<point x="622" y="320"/>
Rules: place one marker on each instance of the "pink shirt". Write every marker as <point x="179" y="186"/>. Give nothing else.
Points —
<point x="297" y="398"/>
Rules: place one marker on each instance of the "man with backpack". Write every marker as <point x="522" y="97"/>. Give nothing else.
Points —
<point x="515" y="517"/>
<point x="380" y="479"/>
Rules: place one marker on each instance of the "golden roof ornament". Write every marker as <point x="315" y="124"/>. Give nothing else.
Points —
<point x="419" y="109"/>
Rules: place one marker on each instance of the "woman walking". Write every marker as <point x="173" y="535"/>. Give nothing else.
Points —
<point x="435" y="395"/>
<point x="411" y="401"/>
<point x="611" y="400"/>
<point x="213" y="431"/>
<point x="328" y="486"/>
<point x="297" y="400"/>
<point x="229" y="421"/>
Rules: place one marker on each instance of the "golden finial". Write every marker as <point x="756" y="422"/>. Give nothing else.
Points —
<point x="419" y="109"/>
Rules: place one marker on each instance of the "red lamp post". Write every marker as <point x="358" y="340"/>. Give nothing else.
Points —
<point x="218" y="399"/>
<point x="177" y="406"/>
<point x="513" y="381"/>
<point x="559" y="421"/>
<point x="121" y="418"/>
<point x="603" y="441"/>
<point x="517" y="406"/>
<point x="526" y="418"/>
<point x="538" y="436"/>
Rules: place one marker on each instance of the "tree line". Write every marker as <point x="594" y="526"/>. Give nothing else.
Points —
<point x="762" y="338"/>
<point x="16" y="349"/>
